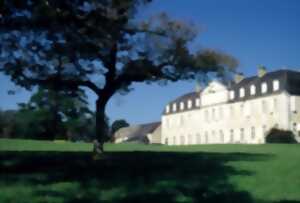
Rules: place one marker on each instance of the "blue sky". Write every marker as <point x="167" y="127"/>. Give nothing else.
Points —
<point x="254" y="31"/>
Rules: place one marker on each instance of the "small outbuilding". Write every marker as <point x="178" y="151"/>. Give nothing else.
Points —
<point x="144" y="133"/>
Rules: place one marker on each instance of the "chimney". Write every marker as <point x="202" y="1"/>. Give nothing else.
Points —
<point x="198" y="87"/>
<point x="262" y="70"/>
<point x="238" y="77"/>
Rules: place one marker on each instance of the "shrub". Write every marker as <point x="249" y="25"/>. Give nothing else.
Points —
<point x="280" y="136"/>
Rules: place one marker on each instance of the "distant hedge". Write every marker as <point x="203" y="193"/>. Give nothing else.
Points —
<point x="280" y="136"/>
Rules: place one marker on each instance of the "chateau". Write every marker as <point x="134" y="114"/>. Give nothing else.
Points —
<point x="243" y="112"/>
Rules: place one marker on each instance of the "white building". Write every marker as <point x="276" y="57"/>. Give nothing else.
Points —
<point x="240" y="113"/>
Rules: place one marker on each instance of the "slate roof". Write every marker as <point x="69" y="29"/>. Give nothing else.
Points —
<point x="184" y="98"/>
<point x="289" y="81"/>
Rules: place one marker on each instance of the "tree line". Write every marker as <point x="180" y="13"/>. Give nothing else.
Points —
<point x="51" y="115"/>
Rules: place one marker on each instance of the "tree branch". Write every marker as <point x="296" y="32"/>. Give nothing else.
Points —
<point x="54" y="80"/>
<point x="133" y="31"/>
<point x="154" y="73"/>
<point x="111" y="65"/>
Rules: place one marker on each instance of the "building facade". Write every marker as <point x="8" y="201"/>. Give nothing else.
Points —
<point x="243" y="112"/>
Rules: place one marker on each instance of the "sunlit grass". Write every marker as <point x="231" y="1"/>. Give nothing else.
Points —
<point x="42" y="171"/>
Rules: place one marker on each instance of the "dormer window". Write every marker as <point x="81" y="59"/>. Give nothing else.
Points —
<point x="167" y="109"/>
<point x="189" y="104"/>
<point x="242" y="92"/>
<point x="252" y="89"/>
<point x="231" y="94"/>
<point x="174" y="107"/>
<point x="275" y="85"/>
<point x="181" y="106"/>
<point x="197" y="102"/>
<point x="264" y="87"/>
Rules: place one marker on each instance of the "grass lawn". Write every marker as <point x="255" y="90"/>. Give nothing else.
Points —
<point x="41" y="172"/>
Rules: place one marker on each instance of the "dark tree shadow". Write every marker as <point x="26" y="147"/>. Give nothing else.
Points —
<point x="130" y="177"/>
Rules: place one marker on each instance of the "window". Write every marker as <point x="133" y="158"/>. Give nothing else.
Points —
<point x="166" y="141"/>
<point x="206" y="115"/>
<point x="264" y="106"/>
<point x="252" y="132"/>
<point x="167" y="109"/>
<point x="197" y="102"/>
<point x="188" y="140"/>
<point x="275" y="85"/>
<point x="181" y="106"/>
<point x="221" y="136"/>
<point x="181" y="122"/>
<point x="167" y="123"/>
<point x="206" y="137"/>
<point x="293" y="104"/>
<point x="294" y="127"/>
<point x="213" y="134"/>
<point x="182" y="140"/>
<point x="242" y="134"/>
<point x="221" y="112"/>
<point x="275" y="104"/>
<point x="231" y="135"/>
<point x="192" y="140"/>
<point x="174" y="141"/>
<point x="231" y="109"/>
<point x="242" y="109"/>
<point x="198" y="139"/>
<point x="252" y="89"/>
<point x="170" y="122"/>
<point x="242" y="92"/>
<point x="264" y="87"/>
<point x="264" y="128"/>
<point x="189" y="104"/>
<point x="247" y="109"/>
<point x="231" y="94"/>
<point x="213" y="114"/>
<point x="174" y="107"/>
<point x="253" y="106"/>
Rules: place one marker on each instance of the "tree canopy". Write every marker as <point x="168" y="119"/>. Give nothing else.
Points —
<point x="49" y="115"/>
<point x="7" y="123"/>
<point x="98" y="44"/>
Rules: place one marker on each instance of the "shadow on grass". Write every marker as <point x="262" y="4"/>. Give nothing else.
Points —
<point x="127" y="177"/>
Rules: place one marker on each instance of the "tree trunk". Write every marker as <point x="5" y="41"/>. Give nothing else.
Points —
<point x="56" y="118"/>
<point x="101" y="127"/>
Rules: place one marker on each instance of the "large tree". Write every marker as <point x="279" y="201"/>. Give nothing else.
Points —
<point x="100" y="45"/>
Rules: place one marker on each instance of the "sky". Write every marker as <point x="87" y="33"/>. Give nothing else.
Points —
<point x="256" y="32"/>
